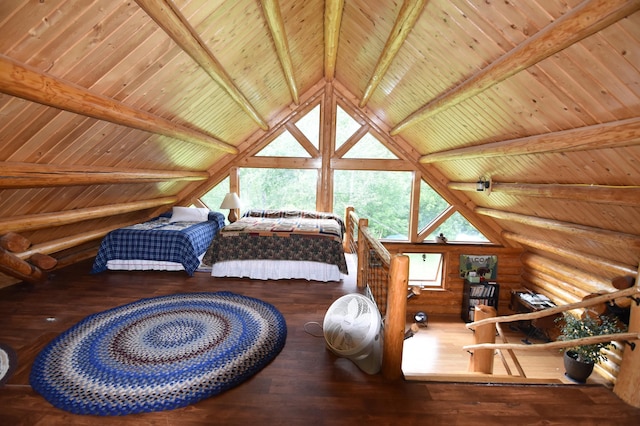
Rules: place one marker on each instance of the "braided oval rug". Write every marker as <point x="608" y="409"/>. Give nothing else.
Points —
<point x="159" y="353"/>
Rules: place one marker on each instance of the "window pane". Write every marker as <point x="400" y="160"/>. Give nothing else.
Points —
<point x="431" y="205"/>
<point x="345" y="126"/>
<point x="457" y="228"/>
<point x="284" y="145"/>
<point x="214" y="197"/>
<point x="309" y="125"/>
<point x="425" y="269"/>
<point x="278" y="188"/>
<point x="369" y="147"/>
<point x="381" y="197"/>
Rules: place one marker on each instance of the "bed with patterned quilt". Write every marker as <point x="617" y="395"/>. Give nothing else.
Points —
<point x="173" y="241"/>
<point x="280" y="244"/>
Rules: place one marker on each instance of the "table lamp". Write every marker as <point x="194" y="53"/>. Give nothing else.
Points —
<point x="231" y="202"/>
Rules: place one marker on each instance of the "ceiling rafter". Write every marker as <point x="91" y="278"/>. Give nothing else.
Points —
<point x="168" y="17"/>
<point x="604" y="194"/>
<point x="26" y="82"/>
<point x="403" y="25"/>
<point x="30" y="175"/>
<point x="600" y="262"/>
<point x="332" y="20"/>
<point x="599" y="136"/>
<point x="271" y="10"/>
<point x="601" y="235"/>
<point x="584" y="20"/>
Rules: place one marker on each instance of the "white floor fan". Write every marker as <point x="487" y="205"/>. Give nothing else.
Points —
<point x="353" y="329"/>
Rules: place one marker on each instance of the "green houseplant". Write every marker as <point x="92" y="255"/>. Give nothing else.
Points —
<point x="579" y="360"/>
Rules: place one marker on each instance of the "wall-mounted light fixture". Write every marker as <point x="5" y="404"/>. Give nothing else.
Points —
<point x="483" y="184"/>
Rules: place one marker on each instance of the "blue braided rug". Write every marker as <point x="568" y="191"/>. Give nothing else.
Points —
<point x="159" y="353"/>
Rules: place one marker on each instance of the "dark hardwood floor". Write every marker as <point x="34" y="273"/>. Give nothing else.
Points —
<point x="306" y="384"/>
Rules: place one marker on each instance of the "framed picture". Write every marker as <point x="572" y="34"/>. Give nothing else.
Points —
<point x="484" y="265"/>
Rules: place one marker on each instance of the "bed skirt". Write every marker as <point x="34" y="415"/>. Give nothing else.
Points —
<point x="145" y="265"/>
<point x="276" y="270"/>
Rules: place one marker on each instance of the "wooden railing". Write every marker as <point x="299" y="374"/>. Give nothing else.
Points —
<point x="488" y="325"/>
<point x="385" y="280"/>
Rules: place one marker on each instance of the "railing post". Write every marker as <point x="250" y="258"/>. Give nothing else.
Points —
<point x="486" y="333"/>
<point x="396" y="317"/>
<point x="627" y="385"/>
<point x="363" y="247"/>
<point x="348" y="233"/>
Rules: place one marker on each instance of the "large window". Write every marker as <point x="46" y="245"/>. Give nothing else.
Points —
<point x="278" y="188"/>
<point x="380" y="196"/>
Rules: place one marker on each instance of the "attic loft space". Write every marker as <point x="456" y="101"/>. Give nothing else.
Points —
<point x="365" y="173"/>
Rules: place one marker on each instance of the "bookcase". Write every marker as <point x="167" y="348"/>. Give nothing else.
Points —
<point x="482" y="293"/>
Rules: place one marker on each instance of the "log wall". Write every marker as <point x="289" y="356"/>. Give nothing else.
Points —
<point x="448" y="300"/>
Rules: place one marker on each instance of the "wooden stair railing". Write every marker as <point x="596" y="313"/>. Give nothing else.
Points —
<point x="485" y="330"/>
<point x="385" y="279"/>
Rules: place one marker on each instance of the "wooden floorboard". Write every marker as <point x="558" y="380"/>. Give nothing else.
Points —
<point x="306" y="384"/>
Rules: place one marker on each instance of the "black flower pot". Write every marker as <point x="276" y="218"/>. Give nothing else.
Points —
<point x="576" y="370"/>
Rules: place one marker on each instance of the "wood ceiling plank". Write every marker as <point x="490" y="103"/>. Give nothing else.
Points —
<point x="582" y="21"/>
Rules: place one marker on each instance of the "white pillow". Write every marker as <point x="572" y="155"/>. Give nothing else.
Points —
<point x="189" y="214"/>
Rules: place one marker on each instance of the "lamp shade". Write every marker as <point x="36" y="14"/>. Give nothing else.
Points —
<point x="231" y="201"/>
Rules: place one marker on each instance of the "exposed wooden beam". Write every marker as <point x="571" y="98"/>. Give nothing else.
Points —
<point x="598" y="136"/>
<point x="621" y="195"/>
<point x="167" y="15"/>
<point x="64" y="243"/>
<point x="332" y="20"/>
<point x="47" y="220"/>
<point x="610" y="266"/>
<point x="271" y="10"/>
<point x="31" y="175"/>
<point x="24" y="81"/>
<point x="603" y="236"/>
<point x="404" y="23"/>
<point x="587" y="18"/>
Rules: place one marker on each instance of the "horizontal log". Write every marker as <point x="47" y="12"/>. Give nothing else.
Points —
<point x="603" y="194"/>
<point x="47" y="220"/>
<point x="588" y="282"/>
<point x="43" y="261"/>
<point x="12" y="265"/>
<point x="31" y="175"/>
<point x="14" y="242"/>
<point x="54" y="246"/>
<point x="555" y="345"/>
<point x="634" y="291"/>
<point x="554" y="288"/>
<point x="598" y="136"/>
<point x="575" y="256"/>
<point x="603" y="236"/>
<point x="24" y="81"/>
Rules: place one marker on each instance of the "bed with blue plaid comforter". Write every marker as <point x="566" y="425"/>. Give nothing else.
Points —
<point x="160" y="240"/>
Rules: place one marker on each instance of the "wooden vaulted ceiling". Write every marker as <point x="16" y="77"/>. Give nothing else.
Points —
<point x="138" y="105"/>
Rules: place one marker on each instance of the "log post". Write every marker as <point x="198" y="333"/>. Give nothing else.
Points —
<point x="486" y="333"/>
<point x="627" y="385"/>
<point x="395" y="318"/>
<point x="348" y="233"/>
<point x="362" y="254"/>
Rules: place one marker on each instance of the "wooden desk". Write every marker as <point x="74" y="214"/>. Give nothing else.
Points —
<point x="524" y="301"/>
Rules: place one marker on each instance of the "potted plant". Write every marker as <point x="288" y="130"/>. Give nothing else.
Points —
<point x="579" y="360"/>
